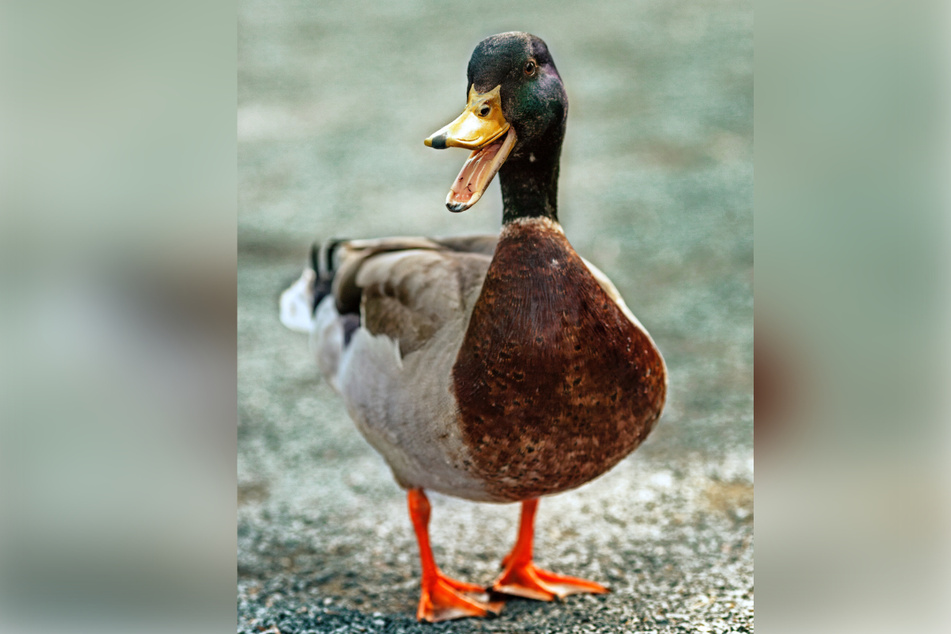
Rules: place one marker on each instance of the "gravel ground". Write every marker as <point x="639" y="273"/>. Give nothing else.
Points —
<point x="656" y="189"/>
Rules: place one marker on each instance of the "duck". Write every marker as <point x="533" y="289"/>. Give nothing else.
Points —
<point x="497" y="368"/>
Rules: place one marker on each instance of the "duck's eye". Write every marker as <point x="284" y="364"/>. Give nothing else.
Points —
<point x="530" y="67"/>
<point x="484" y="111"/>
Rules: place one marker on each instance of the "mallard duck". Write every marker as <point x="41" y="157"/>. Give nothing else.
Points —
<point x="491" y="368"/>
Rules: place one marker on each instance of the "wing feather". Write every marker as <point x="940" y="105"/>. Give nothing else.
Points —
<point x="409" y="288"/>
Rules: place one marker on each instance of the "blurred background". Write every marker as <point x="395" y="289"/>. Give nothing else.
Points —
<point x="852" y="314"/>
<point x="118" y="244"/>
<point x="117" y="329"/>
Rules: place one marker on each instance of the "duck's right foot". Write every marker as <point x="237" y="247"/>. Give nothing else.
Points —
<point x="443" y="598"/>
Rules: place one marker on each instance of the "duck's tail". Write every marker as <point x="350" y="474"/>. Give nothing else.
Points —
<point x="333" y="269"/>
<point x="299" y="302"/>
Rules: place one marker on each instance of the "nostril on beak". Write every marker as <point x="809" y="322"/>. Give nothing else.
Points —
<point x="438" y="142"/>
<point x="484" y="111"/>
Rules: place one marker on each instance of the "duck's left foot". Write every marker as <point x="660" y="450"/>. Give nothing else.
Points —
<point x="522" y="578"/>
<point x="531" y="582"/>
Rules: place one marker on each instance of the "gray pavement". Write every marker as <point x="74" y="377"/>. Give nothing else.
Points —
<point x="656" y="189"/>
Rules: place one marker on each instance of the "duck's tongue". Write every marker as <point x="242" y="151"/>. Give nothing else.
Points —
<point x="478" y="171"/>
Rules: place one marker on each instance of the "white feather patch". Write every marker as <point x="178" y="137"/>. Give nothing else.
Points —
<point x="296" y="303"/>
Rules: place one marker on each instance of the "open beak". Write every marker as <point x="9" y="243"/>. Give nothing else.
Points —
<point x="483" y="129"/>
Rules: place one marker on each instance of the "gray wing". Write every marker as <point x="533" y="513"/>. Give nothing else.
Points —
<point x="409" y="288"/>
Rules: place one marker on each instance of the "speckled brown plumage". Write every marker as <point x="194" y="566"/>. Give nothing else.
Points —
<point x="554" y="383"/>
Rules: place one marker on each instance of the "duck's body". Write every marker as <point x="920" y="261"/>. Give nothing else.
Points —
<point x="494" y="379"/>
<point x="492" y="369"/>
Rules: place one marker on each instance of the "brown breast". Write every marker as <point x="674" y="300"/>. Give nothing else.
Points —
<point x="554" y="384"/>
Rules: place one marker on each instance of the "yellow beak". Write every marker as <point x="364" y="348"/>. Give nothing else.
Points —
<point x="479" y="124"/>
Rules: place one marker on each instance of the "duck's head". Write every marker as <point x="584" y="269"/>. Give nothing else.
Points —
<point x="515" y="115"/>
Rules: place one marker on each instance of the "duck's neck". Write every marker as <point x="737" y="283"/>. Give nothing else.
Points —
<point x="530" y="186"/>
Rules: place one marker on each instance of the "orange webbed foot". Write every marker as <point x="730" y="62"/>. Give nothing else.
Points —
<point x="443" y="598"/>
<point x="522" y="578"/>
<point x="531" y="582"/>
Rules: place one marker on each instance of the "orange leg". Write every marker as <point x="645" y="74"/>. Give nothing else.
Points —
<point x="442" y="598"/>
<point x="522" y="578"/>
